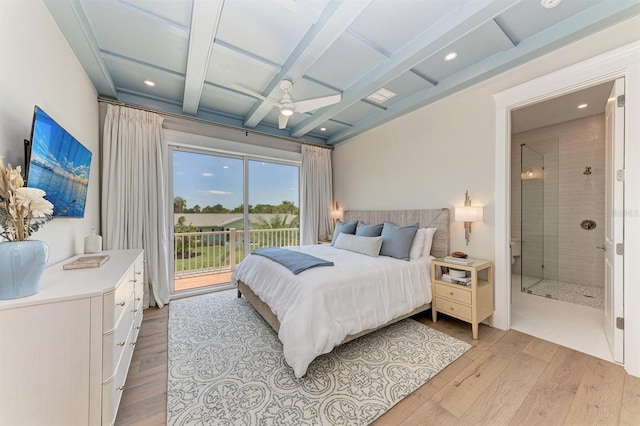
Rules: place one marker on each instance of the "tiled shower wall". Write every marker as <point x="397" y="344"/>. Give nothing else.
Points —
<point x="570" y="253"/>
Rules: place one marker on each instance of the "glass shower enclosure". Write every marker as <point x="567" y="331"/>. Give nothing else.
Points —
<point x="539" y="219"/>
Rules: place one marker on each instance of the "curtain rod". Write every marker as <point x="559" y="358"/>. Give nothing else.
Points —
<point x="202" y="121"/>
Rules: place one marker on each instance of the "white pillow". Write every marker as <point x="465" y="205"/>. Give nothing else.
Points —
<point x="428" y="241"/>
<point x="421" y="245"/>
<point x="359" y="244"/>
<point x="417" y="246"/>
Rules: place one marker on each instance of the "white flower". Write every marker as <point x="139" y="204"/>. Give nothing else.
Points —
<point x="33" y="200"/>
<point x="19" y="206"/>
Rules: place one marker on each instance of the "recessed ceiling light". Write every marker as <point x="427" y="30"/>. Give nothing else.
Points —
<point x="323" y="129"/>
<point x="549" y="4"/>
<point x="583" y="106"/>
<point x="451" y="56"/>
<point x="149" y="83"/>
<point x="381" y="95"/>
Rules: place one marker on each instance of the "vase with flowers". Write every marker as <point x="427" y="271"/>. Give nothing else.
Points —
<point x="23" y="211"/>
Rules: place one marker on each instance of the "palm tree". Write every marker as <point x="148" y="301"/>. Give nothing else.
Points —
<point x="288" y="207"/>
<point x="179" y="204"/>
<point x="184" y="248"/>
<point x="276" y="222"/>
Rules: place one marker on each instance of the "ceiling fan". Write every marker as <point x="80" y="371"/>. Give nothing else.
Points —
<point x="287" y="105"/>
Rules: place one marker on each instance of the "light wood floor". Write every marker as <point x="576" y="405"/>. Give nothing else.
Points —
<point x="507" y="378"/>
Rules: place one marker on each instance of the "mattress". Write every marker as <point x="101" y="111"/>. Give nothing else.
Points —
<point x="319" y="307"/>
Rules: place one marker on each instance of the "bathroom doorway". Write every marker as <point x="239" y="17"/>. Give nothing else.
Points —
<point x="558" y="212"/>
<point x="558" y="151"/>
<point x="620" y="63"/>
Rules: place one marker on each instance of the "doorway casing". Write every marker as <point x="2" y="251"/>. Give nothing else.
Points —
<point x="621" y="62"/>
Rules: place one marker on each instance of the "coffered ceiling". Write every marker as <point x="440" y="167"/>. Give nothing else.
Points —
<point x="204" y="56"/>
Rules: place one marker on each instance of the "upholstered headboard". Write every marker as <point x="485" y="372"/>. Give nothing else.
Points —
<point x="431" y="218"/>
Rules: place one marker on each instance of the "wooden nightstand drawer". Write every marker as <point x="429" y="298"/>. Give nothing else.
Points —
<point x="452" y="308"/>
<point x="461" y="295"/>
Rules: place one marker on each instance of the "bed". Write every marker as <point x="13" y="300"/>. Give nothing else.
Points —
<point x="323" y="307"/>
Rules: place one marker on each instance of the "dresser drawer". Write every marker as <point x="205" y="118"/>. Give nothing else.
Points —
<point x="137" y="322"/>
<point x="452" y="308"/>
<point x="112" y="389"/>
<point x="139" y="289"/>
<point x="114" y="342"/>
<point x="461" y="295"/>
<point x="115" y="301"/>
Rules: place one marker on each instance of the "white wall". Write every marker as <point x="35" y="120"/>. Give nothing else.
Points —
<point x="39" y="68"/>
<point x="430" y="157"/>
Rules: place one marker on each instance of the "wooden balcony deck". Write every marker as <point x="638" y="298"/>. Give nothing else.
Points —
<point x="204" y="280"/>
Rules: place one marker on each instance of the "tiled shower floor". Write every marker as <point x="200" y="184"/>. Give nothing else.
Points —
<point x="568" y="292"/>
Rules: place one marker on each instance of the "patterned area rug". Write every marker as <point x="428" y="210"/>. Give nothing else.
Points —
<point x="226" y="367"/>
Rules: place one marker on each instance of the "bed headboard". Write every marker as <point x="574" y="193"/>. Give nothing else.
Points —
<point x="430" y="218"/>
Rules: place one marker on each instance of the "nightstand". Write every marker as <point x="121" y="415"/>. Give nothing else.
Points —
<point x="471" y="303"/>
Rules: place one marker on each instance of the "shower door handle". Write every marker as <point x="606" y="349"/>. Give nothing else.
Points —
<point x="601" y="248"/>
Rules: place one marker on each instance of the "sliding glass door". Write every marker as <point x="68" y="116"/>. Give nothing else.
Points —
<point x="273" y="204"/>
<point x="225" y="206"/>
<point x="208" y="194"/>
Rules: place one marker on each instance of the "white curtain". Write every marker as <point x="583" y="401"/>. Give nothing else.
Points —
<point x="134" y="188"/>
<point x="317" y="193"/>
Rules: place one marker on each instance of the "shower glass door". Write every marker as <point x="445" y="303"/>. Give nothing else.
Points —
<point x="531" y="217"/>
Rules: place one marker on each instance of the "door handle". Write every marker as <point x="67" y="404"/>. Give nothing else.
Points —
<point x="602" y="248"/>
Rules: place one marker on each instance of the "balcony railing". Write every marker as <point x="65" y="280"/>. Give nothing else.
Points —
<point x="208" y="253"/>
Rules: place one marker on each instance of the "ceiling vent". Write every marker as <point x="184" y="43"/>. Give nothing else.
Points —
<point x="382" y="95"/>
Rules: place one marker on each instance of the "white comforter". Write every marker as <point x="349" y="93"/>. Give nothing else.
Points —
<point x="319" y="307"/>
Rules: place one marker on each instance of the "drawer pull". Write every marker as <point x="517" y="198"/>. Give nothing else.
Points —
<point x="450" y="293"/>
<point x="121" y="388"/>
<point x="452" y="308"/>
<point x="138" y="328"/>
<point x="134" y="311"/>
<point x="134" y="343"/>
<point x="133" y="281"/>
<point x="121" y="343"/>
<point x="137" y="299"/>
<point x="138" y="273"/>
<point x="121" y="304"/>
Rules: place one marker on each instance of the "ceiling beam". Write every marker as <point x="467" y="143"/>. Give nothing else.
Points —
<point x="334" y="20"/>
<point x="458" y="23"/>
<point x="205" y="17"/>
<point x="74" y="24"/>
<point x="561" y="34"/>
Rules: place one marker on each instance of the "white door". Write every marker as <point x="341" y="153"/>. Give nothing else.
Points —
<point x="614" y="220"/>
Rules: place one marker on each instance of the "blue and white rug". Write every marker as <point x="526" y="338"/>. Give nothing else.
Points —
<point x="226" y="367"/>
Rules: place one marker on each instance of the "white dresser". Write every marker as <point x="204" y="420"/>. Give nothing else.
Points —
<point x="65" y="352"/>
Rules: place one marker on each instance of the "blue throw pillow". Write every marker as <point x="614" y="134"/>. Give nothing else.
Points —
<point x="396" y="240"/>
<point x="347" y="228"/>
<point x="364" y="230"/>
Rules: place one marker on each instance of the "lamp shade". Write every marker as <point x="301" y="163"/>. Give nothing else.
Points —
<point x="468" y="214"/>
<point x="337" y="214"/>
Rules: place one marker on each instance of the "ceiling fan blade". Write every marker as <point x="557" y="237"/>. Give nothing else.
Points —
<point x="282" y="121"/>
<point x="256" y="95"/>
<point x="311" y="104"/>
